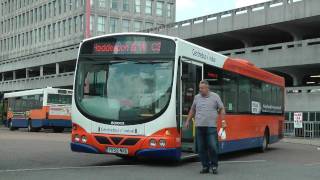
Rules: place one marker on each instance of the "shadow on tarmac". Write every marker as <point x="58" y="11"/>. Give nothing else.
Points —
<point x="166" y="163"/>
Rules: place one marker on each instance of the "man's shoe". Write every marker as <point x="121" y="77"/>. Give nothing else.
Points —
<point x="214" y="170"/>
<point x="204" y="171"/>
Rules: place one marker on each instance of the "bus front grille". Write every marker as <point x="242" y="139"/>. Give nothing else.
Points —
<point x="102" y="140"/>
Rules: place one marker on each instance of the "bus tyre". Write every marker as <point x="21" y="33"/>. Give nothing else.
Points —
<point x="10" y="126"/>
<point x="32" y="129"/>
<point x="265" y="142"/>
<point x="58" y="129"/>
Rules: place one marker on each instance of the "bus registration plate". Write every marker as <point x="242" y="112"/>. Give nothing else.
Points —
<point x="113" y="150"/>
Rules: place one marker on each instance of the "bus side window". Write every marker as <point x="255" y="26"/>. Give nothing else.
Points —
<point x="266" y="92"/>
<point x="214" y="76"/>
<point x="230" y="92"/>
<point x="244" y="95"/>
<point x="256" y="91"/>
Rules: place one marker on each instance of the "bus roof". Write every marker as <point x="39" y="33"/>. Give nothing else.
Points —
<point x="34" y="92"/>
<point x="130" y="33"/>
<point x="195" y="52"/>
<point x="246" y="68"/>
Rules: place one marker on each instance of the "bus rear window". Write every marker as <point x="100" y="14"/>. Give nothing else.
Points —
<point x="59" y="99"/>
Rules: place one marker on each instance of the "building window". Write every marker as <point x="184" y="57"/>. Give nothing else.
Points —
<point x="65" y="5"/>
<point x="149" y="25"/>
<point x="69" y="26"/>
<point x="137" y="25"/>
<point x="44" y="12"/>
<point x="114" y="4"/>
<point x="49" y="32"/>
<point x="70" y="5"/>
<point x="148" y="9"/>
<point x="59" y="6"/>
<point x="54" y="8"/>
<point x="91" y="23"/>
<point x="77" y="4"/>
<point x="125" y="6"/>
<point x="113" y="25"/>
<point x="49" y="10"/>
<point x="137" y="6"/>
<point x="76" y="23"/>
<point x="59" y="29"/>
<point x="54" y="31"/>
<point x="125" y="25"/>
<point x="64" y="27"/>
<point x="159" y="8"/>
<point x="101" y="25"/>
<point x="39" y="35"/>
<point x="40" y="13"/>
<point x="91" y="3"/>
<point x="169" y="10"/>
<point x="102" y="3"/>
<point x="44" y="36"/>
<point x="81" y="23"/>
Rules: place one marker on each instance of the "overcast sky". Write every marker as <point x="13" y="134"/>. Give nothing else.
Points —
<point x="187" y="9"/>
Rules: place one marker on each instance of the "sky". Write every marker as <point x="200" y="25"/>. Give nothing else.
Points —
<point x="187" y="9"/>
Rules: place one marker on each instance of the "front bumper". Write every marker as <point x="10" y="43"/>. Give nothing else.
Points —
<point x="161" y="154"/>
<point x="78" y="147"/>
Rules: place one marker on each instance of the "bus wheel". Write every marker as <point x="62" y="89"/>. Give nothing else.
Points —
<point x="58" y="129"/>
<point x="265" y="143"/>
<point x="10" y="126"/>
<point x="32" y="129"/>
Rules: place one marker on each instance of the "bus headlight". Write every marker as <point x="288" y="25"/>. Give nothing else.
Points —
<point x="162" y="143"/>
<point x="76" y="138"/>
<point x="153" y="143"/>
<point x="84" y="139"/>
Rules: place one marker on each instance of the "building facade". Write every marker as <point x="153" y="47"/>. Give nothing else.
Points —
<point x="39" y="39"/>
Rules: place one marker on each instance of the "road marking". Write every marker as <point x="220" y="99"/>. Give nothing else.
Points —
<point x="62" y="168"/>
<point x="249" y="161"/>
<point x="313" y="164"/>
<point x="111" y="166"/>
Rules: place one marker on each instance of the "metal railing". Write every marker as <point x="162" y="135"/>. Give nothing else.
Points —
<point x="272" y="47"/>
<point x="308" y="130"/>
<point x="249" y="10"/>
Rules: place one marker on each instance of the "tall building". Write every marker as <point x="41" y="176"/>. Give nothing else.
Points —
<point x="39" y="39"/>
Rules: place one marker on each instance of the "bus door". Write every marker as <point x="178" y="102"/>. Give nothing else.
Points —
<point x="191" y="75"/>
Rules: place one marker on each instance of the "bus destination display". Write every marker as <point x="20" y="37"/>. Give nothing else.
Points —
<point x="128" y="47"/>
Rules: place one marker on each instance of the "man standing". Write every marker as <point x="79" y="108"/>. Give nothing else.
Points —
<point x="206" y="107"/>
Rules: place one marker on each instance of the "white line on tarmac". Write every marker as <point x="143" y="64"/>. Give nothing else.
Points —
<point x="249" y="161"/>
<point x="313" y="164"/>
<point x="61" y="168"/>
<point x="111" y="166"/>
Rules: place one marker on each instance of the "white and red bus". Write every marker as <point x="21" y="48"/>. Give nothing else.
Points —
<point x="39" y="108"/>
<point x="133" y="91"/>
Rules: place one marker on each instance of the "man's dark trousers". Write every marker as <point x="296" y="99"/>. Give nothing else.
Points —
<point x="208" y="146"/>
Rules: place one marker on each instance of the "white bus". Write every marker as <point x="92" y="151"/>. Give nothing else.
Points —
<point x="39" y="108"/>
<point x="133" y="91"/>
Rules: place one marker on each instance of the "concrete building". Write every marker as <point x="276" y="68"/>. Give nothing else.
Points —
<point x="39" y="39"/>
<point x="281" y="36"/>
